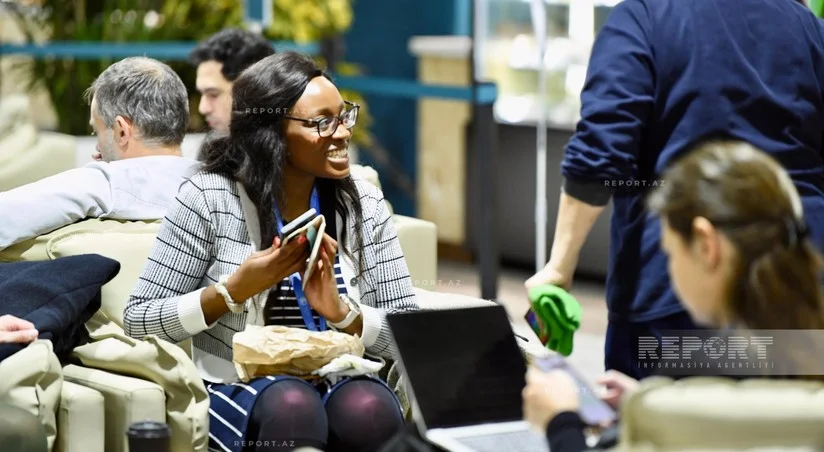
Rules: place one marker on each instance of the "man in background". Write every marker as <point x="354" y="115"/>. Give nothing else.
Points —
<point x="139" y="112"/>
<point x="220" y="59"/>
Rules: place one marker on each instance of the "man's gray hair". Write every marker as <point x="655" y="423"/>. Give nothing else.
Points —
<point x="147" y="92"/>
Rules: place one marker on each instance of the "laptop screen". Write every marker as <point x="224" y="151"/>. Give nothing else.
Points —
<point x="464" y="366"/>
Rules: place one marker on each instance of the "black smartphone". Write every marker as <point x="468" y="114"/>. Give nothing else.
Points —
<point x="594" y="411"/>
<point x="295" y="225"/>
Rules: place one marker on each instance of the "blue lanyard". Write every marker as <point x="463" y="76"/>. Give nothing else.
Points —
<point x="295" y="279"/>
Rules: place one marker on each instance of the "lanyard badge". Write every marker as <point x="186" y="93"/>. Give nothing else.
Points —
<point x="295" y="278"/>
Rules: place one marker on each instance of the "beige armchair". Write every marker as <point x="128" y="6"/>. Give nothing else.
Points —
<point x="719" y="414"/>
<point x="122" y="380"/>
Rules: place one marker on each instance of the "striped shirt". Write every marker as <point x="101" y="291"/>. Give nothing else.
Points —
<point x="210" y="230"/>
<point x="285" y="310"/>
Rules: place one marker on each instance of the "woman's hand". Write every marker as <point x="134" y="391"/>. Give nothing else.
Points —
<point x="321" y="289"/>
<point x="547" y="394"/>
<point x="14" y="330"/>
<point x="266" y="268"/>
<point x="617" y="386"/>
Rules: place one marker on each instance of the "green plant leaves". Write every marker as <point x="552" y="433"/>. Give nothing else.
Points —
<point x="185" y="20"/>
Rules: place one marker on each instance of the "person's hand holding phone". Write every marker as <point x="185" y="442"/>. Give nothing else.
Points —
<point x="617" y="387"/>
<point x="322" y="288"/>
<point x="264" y="269"/>
<point x="548" y="394"/>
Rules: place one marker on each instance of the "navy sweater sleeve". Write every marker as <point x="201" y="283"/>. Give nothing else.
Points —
<point x="616" y="100"/>
<point x="565" y="433"/>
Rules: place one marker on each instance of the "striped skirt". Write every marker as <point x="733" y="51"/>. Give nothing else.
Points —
<point x="230" y="406"/>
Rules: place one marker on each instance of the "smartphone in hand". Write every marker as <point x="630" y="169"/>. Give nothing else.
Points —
<point x="297" y="227"/>
<point x="594" y="411"/>
<point x="537" y="326"/>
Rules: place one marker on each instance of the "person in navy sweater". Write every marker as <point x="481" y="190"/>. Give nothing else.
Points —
<point x="663" y="74"/>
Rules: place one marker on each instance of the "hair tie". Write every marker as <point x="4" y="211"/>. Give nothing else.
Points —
<point x="797" y="231"/>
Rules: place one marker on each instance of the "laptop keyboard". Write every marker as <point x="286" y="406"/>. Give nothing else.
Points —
<point x="520" y="441"/>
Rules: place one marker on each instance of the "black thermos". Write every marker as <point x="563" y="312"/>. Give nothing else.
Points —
<point x="149" y="436"/>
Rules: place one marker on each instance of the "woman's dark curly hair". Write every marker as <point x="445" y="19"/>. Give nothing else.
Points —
<point x="254" y="152"/>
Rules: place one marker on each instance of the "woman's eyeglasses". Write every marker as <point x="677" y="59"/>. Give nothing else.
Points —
<point x="327" y="126"/>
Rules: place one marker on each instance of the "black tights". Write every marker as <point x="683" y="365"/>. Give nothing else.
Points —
<point x="359" y="416"/>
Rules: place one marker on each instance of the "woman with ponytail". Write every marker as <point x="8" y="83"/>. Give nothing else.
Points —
<point x="219" y="265"/>
<point x="733" y="228"/>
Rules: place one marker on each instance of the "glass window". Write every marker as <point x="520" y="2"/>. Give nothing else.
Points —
<point x="509" y="55"/>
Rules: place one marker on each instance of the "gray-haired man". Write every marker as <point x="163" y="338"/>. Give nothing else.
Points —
<point x="139" y="112"/>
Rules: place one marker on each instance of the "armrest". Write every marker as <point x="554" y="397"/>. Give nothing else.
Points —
<point x="126" y="400"/>
<point x="429" y="300"/>
<point x="419" y="241"/>
<point x="80" y="419"/>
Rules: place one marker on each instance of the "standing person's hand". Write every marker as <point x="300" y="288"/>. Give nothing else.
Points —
<point x="617" y="386"/>
<point x="322" y="288"/>
<point x="16" y="331"/>
<point x="548" y="394"/>
<point x="549" y="275"/>
<point x="264" y="269"/>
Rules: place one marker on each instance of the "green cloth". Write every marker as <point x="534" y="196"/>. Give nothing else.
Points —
<point x="560" y="313"/>
<point x="817" y="6"/>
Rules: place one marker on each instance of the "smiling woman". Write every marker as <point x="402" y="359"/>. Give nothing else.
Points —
<point x="218" y="264"/>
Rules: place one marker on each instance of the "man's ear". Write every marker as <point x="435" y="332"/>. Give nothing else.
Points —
<point x="123" y="132"/>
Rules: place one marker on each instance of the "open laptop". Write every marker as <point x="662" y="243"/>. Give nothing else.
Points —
<point x="465" y="377"/>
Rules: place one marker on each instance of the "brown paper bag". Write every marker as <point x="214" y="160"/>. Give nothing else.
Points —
<point x="278" y="350"/>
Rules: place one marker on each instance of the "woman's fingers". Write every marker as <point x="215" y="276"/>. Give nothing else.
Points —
<point x="330" y="244"/>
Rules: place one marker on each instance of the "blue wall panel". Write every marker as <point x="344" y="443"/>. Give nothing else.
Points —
<point x="378" y="41"/>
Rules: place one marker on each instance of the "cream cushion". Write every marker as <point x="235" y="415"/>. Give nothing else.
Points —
<point x="711" y="414"/>
<point x="32" y="380"/>
<point x="125" y="400"/>
<point x="157" y="361"/>
<point x="80" y="419"/>
<point x="126" y="242"/>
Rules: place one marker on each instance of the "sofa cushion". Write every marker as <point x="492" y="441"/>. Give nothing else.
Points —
<point x="37" y="249"/>
<point x="129" y="243"/>
<point x="80" y="419"/>
<point x="57" y="296"/>
<point x="167" y="365"/>
<point x="32" y="380"/>
<point x="125" y="400"/>
<point x="706" y="413"/>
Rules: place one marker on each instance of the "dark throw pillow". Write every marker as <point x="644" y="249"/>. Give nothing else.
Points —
<point x="57" y="296"/>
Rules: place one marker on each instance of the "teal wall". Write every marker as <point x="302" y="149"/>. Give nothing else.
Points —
<point x="378" y="41"/>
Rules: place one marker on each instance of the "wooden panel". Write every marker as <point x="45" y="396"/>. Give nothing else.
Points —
<point x="442" y="149"/>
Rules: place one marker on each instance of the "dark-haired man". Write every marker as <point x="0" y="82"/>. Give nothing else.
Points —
<point x="220" y="59"/>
